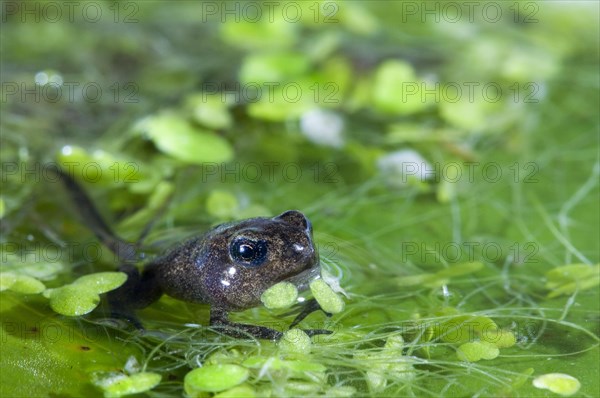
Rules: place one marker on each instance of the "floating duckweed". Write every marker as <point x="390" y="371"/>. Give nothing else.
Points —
<point x="241" y="391"/>
<point x="328" y="300"/>
<point x="224" y="356"/>
<point x="27" y="285"/>
<point x="174" y="135"/>
<point x="20" y="283"/>
<point x="559" y="383"/>
<point x="261" y="68"/>
<point x="302" y="388"/>
<point x="159" y="195"/>
<point x="281" y="295"/>
<point x="82" y="296"/>
<point x="41" y="271"/>
<point x="461" y="328"/>
<point x="295" y="341"/>
<point x="341" y="392"/>
<point x="214" y="378"/>
<point x="100" y="282"/>
<point x="476" y="350"/>
<point x="108" y="167"/>
<point x="570" y="278"/>
<point x="222" y="204"/>
<point x="209" y="110"/>
<point x="121" y="385"/>
<point x="500" y="338"/>
<point x="469" y="115"/>
<point x="72" y="301"/>
<point x="394" y="342"/>
<point x="376" y="381"/>
<point x="298" y="368"/>
<point x="7" y="279"/>
<point x="387" y="363"/>
<point x="389" y="84"/>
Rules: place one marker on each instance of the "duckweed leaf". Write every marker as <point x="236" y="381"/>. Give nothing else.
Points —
<point x="326" y="297"/>
<point x="98" y="166"/>
<point x="118" y="385"/>
<point x="265" y="33"/>
<point x="209" y="110"/>
<point x="280" y="295"/>
<point x="386" y="361"/>
<point x="460" y="269"/>
<point x="7" y="279"/>
<point x="477" y="350"/>
<point x="559" y="383"/>
<point x="295" y="341"/>
<point x="278" y="67"/>
<point x="214" y="378"/>
<point x="27" y="285"/>
<point x="396" y="89"/>
<point x="274" y="363"/>
<point x="567" y="279"/>
<point x="222" y="204"/>
<point x="100" y="282"/>
<point x="241" y="391"/>
<point x="175" y="136"/>
<point x="463" y="328"/>
<point x="394" y="343"/>
<point x="72" y="300"/>
<point x="341" y="392"/>
<point x="277" y="111"/>
<point x="82" y="296"/>
<point x="501" y="338"/>
<point x="295" y="388"/>
<point x="469" y="115"/>
<point x="32" y="264"/>
<point x="20" y="283"/>
<point x="44" y="355"/>
<point x="160" y="195"/>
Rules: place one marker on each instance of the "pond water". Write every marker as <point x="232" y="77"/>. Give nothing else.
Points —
<point x="446" y="156"/>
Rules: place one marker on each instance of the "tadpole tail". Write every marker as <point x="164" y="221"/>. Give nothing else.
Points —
<point x="124" y="250"/>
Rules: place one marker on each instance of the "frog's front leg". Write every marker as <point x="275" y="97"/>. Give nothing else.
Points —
<point x="139" y="291"/>
<point x="220" y="318"/>
<point x="309" y="307"/>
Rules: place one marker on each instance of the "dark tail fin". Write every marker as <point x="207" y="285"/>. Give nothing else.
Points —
<point x="124" y="250"/>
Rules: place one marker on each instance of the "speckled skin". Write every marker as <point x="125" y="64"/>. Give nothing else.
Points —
<point x="202" y="270"/>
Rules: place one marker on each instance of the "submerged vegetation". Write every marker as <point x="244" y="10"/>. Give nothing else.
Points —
<point x="448" y="161"/>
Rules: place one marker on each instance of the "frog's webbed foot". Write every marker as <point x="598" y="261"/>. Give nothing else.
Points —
<point x="123" y="320"/>
<point x="309" y="307"/>
<point x="220" y="318"/>
<point x="314" y="332"/>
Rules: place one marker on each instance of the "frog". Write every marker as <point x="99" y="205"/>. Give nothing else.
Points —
<point x="227" y="267"/>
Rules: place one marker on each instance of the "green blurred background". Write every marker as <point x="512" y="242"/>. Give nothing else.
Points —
<point x="416" y="136"/>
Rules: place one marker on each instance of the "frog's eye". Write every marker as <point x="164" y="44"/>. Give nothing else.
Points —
<point x="248" y="252"/>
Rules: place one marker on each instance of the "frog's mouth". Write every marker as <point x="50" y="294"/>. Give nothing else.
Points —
<point x="303" y="279"/>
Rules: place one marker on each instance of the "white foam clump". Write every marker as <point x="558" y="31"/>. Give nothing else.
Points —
<point x="405" y="164"/>
<point x="323" y="127"/>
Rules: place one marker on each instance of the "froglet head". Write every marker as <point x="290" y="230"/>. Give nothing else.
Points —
<point x="233" y="264"/>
